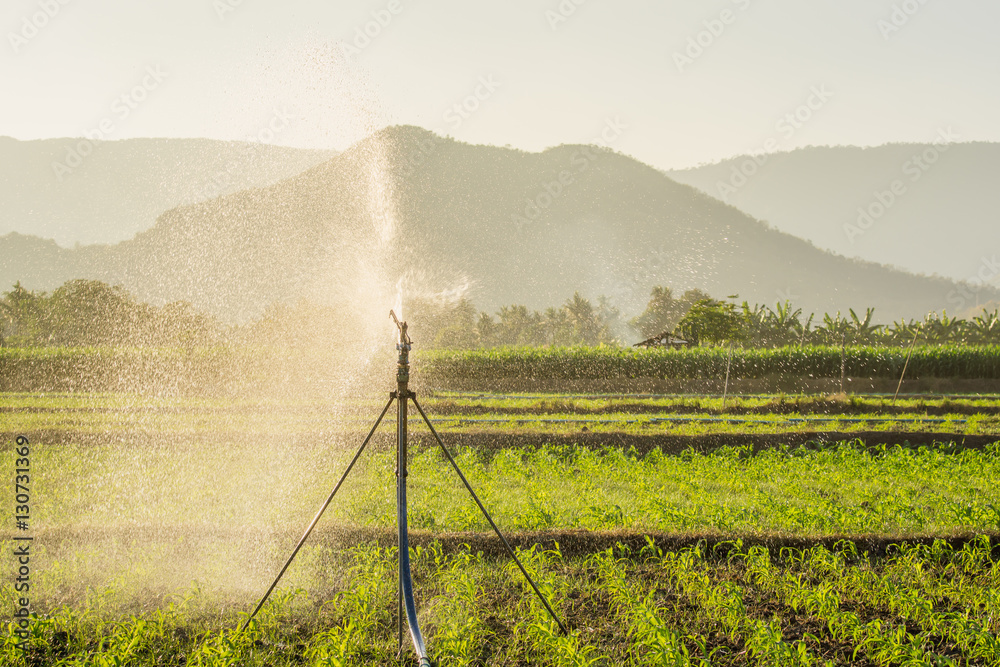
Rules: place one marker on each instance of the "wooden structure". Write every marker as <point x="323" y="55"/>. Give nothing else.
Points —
<point x="665" y="339"/>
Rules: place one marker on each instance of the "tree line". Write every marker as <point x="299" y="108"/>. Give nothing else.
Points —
<point x="83" y="313"/>
<point x="459" y="326"/>
<point x="695" y="318"/>
<point x="713" y="322"/>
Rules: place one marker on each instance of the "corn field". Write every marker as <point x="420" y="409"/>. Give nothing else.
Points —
<point x="583" y="363"/>
<point x="728" y="605"/>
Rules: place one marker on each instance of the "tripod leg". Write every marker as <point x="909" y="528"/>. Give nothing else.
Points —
<point x="322" y="509"/>
<point x="503" y="539"/>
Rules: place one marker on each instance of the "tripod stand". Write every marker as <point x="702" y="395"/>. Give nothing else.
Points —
<point x="402" y="396"/>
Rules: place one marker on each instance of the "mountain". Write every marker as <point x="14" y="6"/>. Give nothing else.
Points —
<point x="405" y="210"/>
<point x="941" y="217"/>
<point x="82" y="191"/>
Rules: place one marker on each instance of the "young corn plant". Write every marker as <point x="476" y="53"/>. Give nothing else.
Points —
<point x="460" y="630"/>
<point x="908" y="586"/>
<point x="362" y="611"/>
<point x="884" y="644"/>
<point x="653" y="641"/>
<point x="547" y="644"/>
<point x="723" y="602"/>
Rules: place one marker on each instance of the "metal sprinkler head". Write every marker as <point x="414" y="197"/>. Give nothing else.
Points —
<point x="404" y="338"/>
<point x="403" y="364"/>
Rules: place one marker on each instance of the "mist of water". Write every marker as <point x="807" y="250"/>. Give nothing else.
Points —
<point x="215" y="498"/>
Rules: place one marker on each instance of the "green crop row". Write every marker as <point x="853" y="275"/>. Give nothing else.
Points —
<point x="837" y="489"/>
<point x="163" y="370"/>
<point x="595" y="363"/>
<point x="134" y="369"/>
<point x="731" y="605"/>
<point x="111" y="369"/>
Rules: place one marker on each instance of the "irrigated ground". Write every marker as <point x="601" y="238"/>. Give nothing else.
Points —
<point x="771" y="524"/>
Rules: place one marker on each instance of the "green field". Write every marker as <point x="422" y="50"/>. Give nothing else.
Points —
<point x="728" y="605"/>
<point x="589" y="363"/>
<point x="226" y="370"/>
<point x="755" y="529"/>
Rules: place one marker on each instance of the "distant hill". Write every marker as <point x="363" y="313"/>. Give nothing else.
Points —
<point x="434" y="215"/>
<point x="77" y="191"/>
<point x="944" y="222"/>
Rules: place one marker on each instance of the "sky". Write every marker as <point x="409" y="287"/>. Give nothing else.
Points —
<point x="689" y="82"/>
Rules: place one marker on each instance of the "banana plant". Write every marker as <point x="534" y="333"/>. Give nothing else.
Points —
<point x="835" y="329"/>
<point x="943" y="329"/>
<point x="984" y="329"/>
<point x="863" y="329"/>
<point x="902" y="332"/>
<point x="785" y="321"/>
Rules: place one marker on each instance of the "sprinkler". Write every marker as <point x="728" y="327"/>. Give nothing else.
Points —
<point x="402" y="396"/>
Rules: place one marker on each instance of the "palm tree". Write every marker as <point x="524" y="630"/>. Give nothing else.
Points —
<point x="517" y="325"/>
<point x="583" y="317"/>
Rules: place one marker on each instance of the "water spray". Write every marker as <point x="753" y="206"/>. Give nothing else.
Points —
<point x="402" y="396"/>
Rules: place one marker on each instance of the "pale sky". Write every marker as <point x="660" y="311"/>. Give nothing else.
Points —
<point x="546" y="72"/>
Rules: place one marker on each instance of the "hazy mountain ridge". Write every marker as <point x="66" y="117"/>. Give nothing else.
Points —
<point x="517" y="227"/>
<point x="79" y="191"/>
<point x="941" y="219"/>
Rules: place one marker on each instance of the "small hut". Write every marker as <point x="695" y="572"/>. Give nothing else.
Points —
<point x="665" y="339"/>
